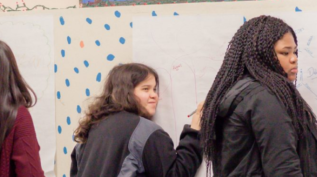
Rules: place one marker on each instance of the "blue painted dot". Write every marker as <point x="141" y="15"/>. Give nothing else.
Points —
<point x="154" y="14"/>
<point x="76" y="70"/>
<point x="69" y="40"/>
<point x="64" y="175"/>
<point x="131" y="25"/>
<point x="58" y="95"/>
<point x="55" y="68"/>
<point x="68" y="120"/>
<point x="63" y="53"/>
<point x="244" y="20"/>
<point x="97" y="42"/>
<point x="87" y="92"/>
<point x="98" y="79"/>
<point x="117" y="14"/>
<point x="86" y="63"/>
<point x="61" y="20"/>
<point x="176" y="14"/>
<point x="107" y="27"/>
<point x="89" y="20"/>
<point x="59" y="128"/>
<point x="110" y="57"/>
<point x="78" y="109"/>
<point x="65" y="150"/>
<point x="122" y="40"/>
<point x="298" y="9"/>
<point x="67" y="82"/>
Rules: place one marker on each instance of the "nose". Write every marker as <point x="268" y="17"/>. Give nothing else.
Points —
<point x="153" y="94"/>
<point x="294" y="59"/>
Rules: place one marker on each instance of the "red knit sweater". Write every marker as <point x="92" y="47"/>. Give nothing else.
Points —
<point x="20" y="150"/>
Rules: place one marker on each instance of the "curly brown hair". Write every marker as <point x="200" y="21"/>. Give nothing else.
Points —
<point x="251" y="51"/>
<point x="118" y="95"/>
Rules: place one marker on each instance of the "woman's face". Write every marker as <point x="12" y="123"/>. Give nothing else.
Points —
<point x="286" y="49"/>
<point x="146" y="94"/>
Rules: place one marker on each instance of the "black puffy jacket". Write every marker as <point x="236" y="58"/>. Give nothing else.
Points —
<point x="127" y="145"/>
<point x="258" y="139"/>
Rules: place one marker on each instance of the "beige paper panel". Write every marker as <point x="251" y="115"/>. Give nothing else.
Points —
<point x="87" y="47"/>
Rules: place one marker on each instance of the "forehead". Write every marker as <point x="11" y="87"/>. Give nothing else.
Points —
<point x="286" y="41"/>
<point x="149" y="80"/>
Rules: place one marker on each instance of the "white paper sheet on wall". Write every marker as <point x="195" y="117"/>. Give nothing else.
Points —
<point x="305" y="28"/>
<point x="31" y="40"/>
<point x="187" y="52"/>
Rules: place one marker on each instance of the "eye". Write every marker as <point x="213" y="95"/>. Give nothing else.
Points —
<point x="284" y="53"/>
<point x="145" y="89"/>
<point x="155" y="90"/>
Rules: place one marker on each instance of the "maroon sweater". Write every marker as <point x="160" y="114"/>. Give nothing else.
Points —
<point x="20" y="150"/>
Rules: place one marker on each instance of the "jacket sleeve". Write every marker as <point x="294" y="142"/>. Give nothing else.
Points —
<point x="160" y="159"/>
<point x="73" y="167"/>
<point x="25" y="152"/>
<point x="275" y="136"/>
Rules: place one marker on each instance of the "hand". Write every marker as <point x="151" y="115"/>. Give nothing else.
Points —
<point x="197" y="116"/>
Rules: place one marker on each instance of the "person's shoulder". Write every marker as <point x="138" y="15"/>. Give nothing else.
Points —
<point x="127" y="121"/>
<point x="141" y="135"/>
<point x="23" y="110"/>
<point x="131" y="117"/>
<point x="146" y="129"/>
<point x="149" y="123"/>
<point x="23" y="115"/>
<point x="250" y="88"/>
<point x="23" y="124"/>
<point x="262" y="97"/>
<point x="243" y="91"/>
<point x="124" y="115"/>
<point x="261" y="92"/>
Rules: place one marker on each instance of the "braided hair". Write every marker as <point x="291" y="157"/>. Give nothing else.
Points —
<point x="251" y="51"/>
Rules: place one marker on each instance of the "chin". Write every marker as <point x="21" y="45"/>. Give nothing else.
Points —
<point x="148" y="114"/>
<point x="151" y="113"/>
<point x="292" y="79"/>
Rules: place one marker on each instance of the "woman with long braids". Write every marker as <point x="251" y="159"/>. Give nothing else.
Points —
<point x="255" y="123"/>
<point x="19" y="149"/>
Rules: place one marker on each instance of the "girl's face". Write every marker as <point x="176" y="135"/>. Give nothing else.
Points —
<point x="286" y="49"/>
<point x="146" y="94"/>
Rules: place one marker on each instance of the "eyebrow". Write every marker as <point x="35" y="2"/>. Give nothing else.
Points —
<point x="289" y="47"/>
<point x="147" y="86"/>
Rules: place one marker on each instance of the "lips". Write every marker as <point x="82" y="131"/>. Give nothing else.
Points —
<point x="294" y="70"/>
<point x="152" y="103"/>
